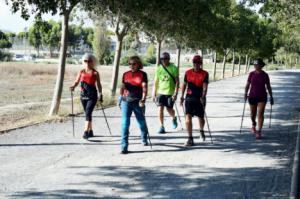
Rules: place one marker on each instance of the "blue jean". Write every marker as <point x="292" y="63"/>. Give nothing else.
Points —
<point x="127" y="109"/>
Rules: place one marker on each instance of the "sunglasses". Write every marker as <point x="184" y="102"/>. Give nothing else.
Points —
<point x="197" y="62"/>
<point x="164" y="58"/>
<point x="88" y="61"/>
<point x="133" y="63"/>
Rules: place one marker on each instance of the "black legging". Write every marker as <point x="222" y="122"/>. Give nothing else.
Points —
<point x="88" y="106"/>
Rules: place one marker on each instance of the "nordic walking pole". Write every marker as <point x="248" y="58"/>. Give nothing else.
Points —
<point x="73" y="126"/>
<point x="208" y="126"/>
<point x="270" y="116"/>
<point x="105" y="118"/>
<point x="243" y="117"/>
<point x="204" y="106"/>
<point x="178" y="115"/>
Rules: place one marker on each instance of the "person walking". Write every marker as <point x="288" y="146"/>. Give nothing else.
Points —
<point x="196" y="83"/>
<point x="89" y="80"/>
<point x="165" y="89"/>
<point x="133" y="93"/>
<point x="258" y="81"/>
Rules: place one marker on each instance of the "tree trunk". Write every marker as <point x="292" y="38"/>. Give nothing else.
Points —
<point x="61" y="67"/>
<point x="246" y="63"/>
<point x="178" y="51"/>
<point x="233" y="65"/>
<point x="223" y="68"/>
<point x="215" y="67"/>
<point x="239" y="66"/>
<point x="116" y="65"/>
<point x="158" y="48"/>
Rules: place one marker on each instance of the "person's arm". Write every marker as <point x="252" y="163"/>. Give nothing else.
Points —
<point x="204" y="91"/>
<point x="246" y="90"/>
<point x="247" y="87"/>
<point x="155" y="85"/>
<point x="145" y="88"/>
<point x="270" y="91"/>
<point x="76" y="82"/>
<point x="183" y="88"/>
<point x="176" y="85"/>
<point x="99" y="86"/>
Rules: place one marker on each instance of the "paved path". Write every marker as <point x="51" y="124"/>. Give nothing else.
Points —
<point x="45" y="161"/>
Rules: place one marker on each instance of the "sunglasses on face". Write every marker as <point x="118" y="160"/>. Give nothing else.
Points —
<point x="88" y="61"/>
<point x="164" y="59"/>
<point x="132" y="63"/>
<point x="197" y="62"/>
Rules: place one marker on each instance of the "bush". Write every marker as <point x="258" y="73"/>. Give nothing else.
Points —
<point x="124" y="60"/>
<point x="6" y="56"/>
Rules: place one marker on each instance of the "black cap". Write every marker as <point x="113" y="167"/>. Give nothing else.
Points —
<point x="259" y="62"/>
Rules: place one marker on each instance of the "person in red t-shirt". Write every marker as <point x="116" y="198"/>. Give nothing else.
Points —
<point x="89" y="79"/>
<point x="196" y="82"/>
<point x="258" y="81"/>
<point x="133" y="93"/>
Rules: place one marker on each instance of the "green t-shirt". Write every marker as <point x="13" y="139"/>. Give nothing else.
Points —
<point x="166" y="85"/>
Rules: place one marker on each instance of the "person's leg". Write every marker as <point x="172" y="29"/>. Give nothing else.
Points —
<point x="161" y="115"/>
<point x="189" y="125"/>
<point x="171" y="111"/>
<point x="141" y="122"/>
<point x="260" y="116"/>
<point x="86" y="126"/>
<point x="253" y="111"/>
<point x="126" y="114"/>
<point x="89" y="110"/>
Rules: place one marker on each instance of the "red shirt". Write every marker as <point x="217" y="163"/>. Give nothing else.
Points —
<point x="258" y="82"/>
<point x="88" y="84"/>
<point x="133" y="84"/>
<point x="194" y="81"/>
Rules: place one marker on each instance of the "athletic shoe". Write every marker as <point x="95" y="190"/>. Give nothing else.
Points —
<point x="85" y="135"/>
<point x="253" y="129"/>
<point x="124" y="151"/>
<point x="162" y="130"/>
<point x="145" y="144"/>
<point x="258" y="135"/>
<point x="190" y="142"/>
<point x="91" y="133"/>
<point x="202" y="135"/>
<point x="174" y="123"/>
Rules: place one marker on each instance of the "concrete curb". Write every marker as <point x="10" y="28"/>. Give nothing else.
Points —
<point x="295" y="172"/>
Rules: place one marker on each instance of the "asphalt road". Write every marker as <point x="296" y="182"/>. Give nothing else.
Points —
<point x="45" y="161"/>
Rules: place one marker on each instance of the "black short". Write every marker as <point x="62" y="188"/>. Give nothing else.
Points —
<point x="164" y="100"/>
<point x="194" y="107"/>
<point x="256" y="100"/>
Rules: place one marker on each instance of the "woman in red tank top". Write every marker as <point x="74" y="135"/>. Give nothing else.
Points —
<point x="89" y="80"/>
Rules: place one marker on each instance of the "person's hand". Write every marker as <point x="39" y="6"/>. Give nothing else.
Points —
<point x="245" y="97"/>
<point x="174" y="98"/>
<point x="72" y="88"/>
<point x="120" y="100"/>
<point x="100" y="99"/>
<point x="142" y="102"/>
<point x="203" y="101"/>
<point x="181" y="101"/>
<point x="271" y="100"/>
<point x="154" y="98"/>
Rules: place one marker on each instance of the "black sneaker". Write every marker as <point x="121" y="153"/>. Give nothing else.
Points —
<point x="190" y="142"/>
<point x="91" y="133"/>
<point x="85" y="135"/>
<point x="145" y="144"/>
<point x="202" y="135"/>
<point x="124" y="151"/>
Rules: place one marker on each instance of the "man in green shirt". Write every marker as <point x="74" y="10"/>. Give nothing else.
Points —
<point x="165" y="89"/>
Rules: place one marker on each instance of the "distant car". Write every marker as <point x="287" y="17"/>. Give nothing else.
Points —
<point x="18" y="57"/>
<point x="21" y="57"/>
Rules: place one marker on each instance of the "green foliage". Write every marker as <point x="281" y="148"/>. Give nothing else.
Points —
<point x="4" y="41"/>
<point x="101" y="44"/>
